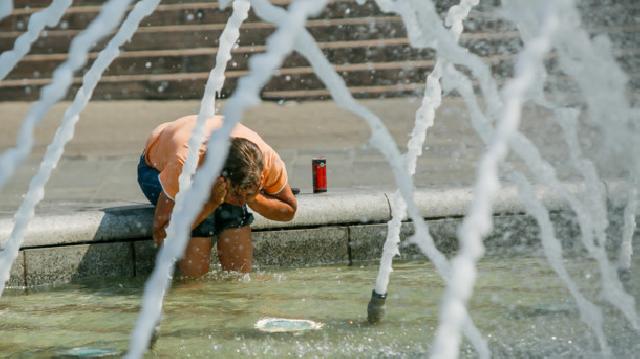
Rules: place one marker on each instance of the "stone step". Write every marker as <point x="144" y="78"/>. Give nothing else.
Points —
<point x="39" y="66"/>
<point x="199" y="12"/>
<point x="338" y="51"/>
<point x="402" y="66"/>
<point x="79" y="17"/>
<point x="255" y="33"/>
<point x="203" y="59"/>
<point x="365" y="80"/>
<point x="171" y="54"/>
<point x="191" y="85"/>
<point x="288" y="79"/>
<point x="202" y="13"/>
<point x="251" y="33"/>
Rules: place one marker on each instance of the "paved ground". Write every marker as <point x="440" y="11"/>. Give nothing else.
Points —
<point x="98" y="167"/>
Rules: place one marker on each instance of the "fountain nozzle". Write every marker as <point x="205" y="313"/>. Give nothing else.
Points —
<point x="376" y="308"/>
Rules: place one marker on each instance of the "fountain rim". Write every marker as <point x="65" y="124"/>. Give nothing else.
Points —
<point x="336" y="207"/>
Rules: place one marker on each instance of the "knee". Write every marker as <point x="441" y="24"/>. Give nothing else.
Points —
<point x="193" y="268"/>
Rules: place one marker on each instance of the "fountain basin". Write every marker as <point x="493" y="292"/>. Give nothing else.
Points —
<point x="519" y="305"/>
<point x="338" y="227"/>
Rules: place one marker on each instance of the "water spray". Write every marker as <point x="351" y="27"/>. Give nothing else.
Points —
<point x="109" y="17"/>
<point x="48" y="17"/>
<point x="227" y="41"/>
<point x="478" y="221"/>
<point x="626" y="249"/>
<point x="261" y="67"/>
<point x="423" y="121"/>
<point x="64" y="134"/>
<point x="214" y="84"/>
<point x="6" y="8"/>
<point x="380" y="139"/>
<point x="590" y="313"/>
<point x="603" y="85"/>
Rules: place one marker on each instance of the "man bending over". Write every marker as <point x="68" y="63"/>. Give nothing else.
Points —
<point x="253" y="175"/>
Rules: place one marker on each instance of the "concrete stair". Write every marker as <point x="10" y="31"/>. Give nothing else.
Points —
<point x="171" y="54"/>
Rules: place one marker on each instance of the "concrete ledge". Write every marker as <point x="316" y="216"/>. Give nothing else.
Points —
<point x="334" y="208"/>
<point x="110" y="224"/>
<point x="314" y="210"/>
<point x="337" y="227"/>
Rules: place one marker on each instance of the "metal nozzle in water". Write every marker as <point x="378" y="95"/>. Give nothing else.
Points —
<point x="154" y="336"/>
<point x="376" y="309"/>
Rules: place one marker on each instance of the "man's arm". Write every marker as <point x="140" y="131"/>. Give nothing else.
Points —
<point x="164" y="208"/>
<point x="161" y="218"/>
<point x="281" y="206"/>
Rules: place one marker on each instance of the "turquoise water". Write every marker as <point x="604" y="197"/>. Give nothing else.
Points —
<point x="519" y="305"/>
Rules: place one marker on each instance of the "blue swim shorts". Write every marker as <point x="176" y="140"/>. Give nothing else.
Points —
<point x="225" y="217"/>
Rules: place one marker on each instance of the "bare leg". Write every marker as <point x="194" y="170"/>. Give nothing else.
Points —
<point x="197" y="256"/>
<point x="235" y="249"/>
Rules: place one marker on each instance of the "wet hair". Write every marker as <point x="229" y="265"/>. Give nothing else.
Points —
<point x="244" y="164"/>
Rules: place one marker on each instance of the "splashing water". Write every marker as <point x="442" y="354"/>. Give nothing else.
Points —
<point x="478" y="221"/>
<point x="590" y="313"/>
<point x="626" y="249"/>
<point x="228" y="39"/>
<point x="546" y="173"/>
<point x="592" y="210"/>
<point x="110" y="15"/>
<point x="247" y="94"/>
<point x="50" y="16"/>
<point x="6" y="8"/>
<point x="382" y="140"/>
<point x="64" y="134"/>
<point x="207" y="110"/>
<point x="424" y="120"/>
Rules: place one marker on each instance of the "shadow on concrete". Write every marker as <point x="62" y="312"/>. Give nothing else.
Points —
<point x="121" y="246"/>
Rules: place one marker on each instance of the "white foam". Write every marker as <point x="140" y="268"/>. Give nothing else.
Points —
<point x="281" y="325"/>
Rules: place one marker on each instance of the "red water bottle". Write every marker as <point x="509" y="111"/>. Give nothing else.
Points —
<point x="319" y="172"/>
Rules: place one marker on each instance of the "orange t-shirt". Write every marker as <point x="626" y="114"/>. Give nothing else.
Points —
<point x="168" y="147"/>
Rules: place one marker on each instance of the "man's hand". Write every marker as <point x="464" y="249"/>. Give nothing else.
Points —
<point x="164" y="209"/>
<point x="161" y="218"/>
<point x="219" y="191"/>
